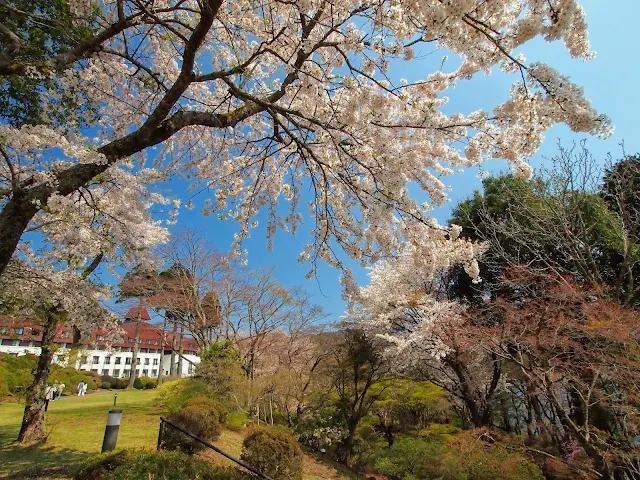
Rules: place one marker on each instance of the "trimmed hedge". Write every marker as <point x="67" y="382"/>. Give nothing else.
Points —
<point x="143" y="464"/>
<point x="274" y="452"/>
<point x="148" y="382"/>
<point x="202" y="417"/>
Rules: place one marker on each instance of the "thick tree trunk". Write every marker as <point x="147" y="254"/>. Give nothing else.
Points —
<point x="350" y="442"/>
<point x="134" y="357"/>
<point x="478" y="405"/>
<point x="33" y="420"/>
<point x="14" y="219"/>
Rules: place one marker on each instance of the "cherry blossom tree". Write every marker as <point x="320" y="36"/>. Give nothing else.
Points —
<point x="49" y="299"/>
<point x="257" y="103"/>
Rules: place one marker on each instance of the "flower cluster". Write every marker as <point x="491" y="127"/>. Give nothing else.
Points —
<point x="258" y="105"/>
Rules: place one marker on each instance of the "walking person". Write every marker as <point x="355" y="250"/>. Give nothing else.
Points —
<point x="81" y="388"/>
<point x="54" y="392"/>
<point x="84" y="388"/>
<point x="60" y="390"/>
<point x="48" y="396"/>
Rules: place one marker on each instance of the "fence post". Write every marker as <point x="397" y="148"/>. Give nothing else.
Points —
<point x="111" y="430"/>
<point x="160" y="431"/>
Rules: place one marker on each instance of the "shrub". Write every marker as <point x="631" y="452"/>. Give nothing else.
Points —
<point x="4" y="385"/>
<point x="483" y="455"/>
<point x="121" y="383"/>
<point x="137" y="384"/>
<point x="149" y="382"/>
<point x="321" y="429"/>
<point x="105" y="385"/>
<point x="410" y="459"/>
<point x="17" y="372"/>
<point x="274" y="452"/>
<point x="439" y="431"/>
<point x="201" y="417"/>
<point x="174" y="395"/>
<point x="221" y="368"/>
<point x="236" y="420"/>
<point x="140" y="464"/>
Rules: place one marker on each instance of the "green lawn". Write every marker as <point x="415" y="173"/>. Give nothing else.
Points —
<point x="76" y="427"/>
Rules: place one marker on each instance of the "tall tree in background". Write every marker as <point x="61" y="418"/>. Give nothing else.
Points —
<point x="621" y="190"/>
<point x="357" y="365"/>
<point x="562" y="223"/>
<point x="254" y="101"/>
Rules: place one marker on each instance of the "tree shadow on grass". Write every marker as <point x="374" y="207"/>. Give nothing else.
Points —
<point x="37" y="461"/>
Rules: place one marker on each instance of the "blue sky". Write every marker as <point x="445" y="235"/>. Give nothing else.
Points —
<point x="610" y="81"/>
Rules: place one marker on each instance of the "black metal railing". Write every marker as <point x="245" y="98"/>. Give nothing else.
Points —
<point x="164" y="421"/>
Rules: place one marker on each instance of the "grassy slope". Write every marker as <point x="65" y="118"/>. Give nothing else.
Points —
<point x="77" y="428"/>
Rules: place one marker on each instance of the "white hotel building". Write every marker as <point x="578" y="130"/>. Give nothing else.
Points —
<point x="20" y="338"/>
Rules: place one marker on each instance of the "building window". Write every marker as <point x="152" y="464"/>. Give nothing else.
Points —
<point x="138" y="361"/>
<point x="35" y="331"/>
<point x="118" y="360"/>
<point x="132" y="340"/>
<point x="99" y="337"/>
<point x="148" y="342"/>
<point x="127" y="361"/>
<point x="155" y="361"/>
<point x="19" y="331"/>
<point x="145" y="373"/>
<point x="94" y="370"/>
<point x="190" y="369"/>
<point x="156" y="342"/>
<point x="66" y="335"/>
<point x="146" y="361"/>
<point x="25" y="344"/>
<point x="116" y="373"/>
<point x="140" y="341"/>
<point x="126" y="373"/>
<point x="96" y="360"/>
<point x="107" y="359"/>
<point x="3" y="330"/>
<point x="99" y="348"/>
<point x="154" y="373"/>
<point x="105" y="372"/>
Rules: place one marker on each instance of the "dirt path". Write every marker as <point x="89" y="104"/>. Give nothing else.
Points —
<point x="312" y="468"/>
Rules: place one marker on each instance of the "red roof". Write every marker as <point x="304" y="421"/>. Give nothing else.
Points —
<point x="150" y="336"/>
<point x="137" y="313"/>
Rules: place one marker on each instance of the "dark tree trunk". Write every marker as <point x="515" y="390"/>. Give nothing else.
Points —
<point x="14" y="219"/>
<point x="172" y="367"/>
<point x="180" y="352"/>
<point x="350" y="442"/>
<point x="33" y="420"/>
<point x="134" y="357"/>
<point x="505" y="415"/>
<point x="478" y="405"/>
<point x="162" y="345"/>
